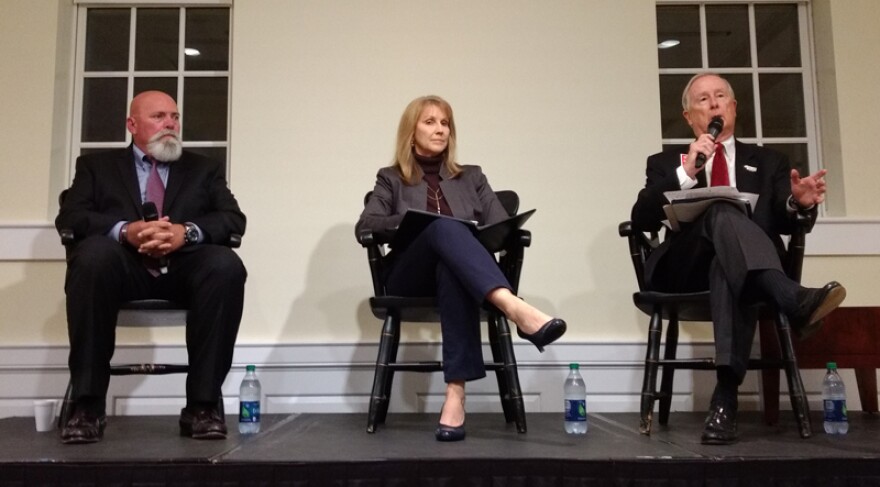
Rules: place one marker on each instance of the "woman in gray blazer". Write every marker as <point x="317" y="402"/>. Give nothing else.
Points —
<point x="445" y="259"/>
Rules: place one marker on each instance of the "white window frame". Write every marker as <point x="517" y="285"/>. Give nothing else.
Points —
<point x="80" y="75"/>
<point x="806" y="70"/>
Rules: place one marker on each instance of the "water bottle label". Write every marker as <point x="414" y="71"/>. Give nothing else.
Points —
<point x="835" y="410"/>
<point x="575" y="410"/>
<point x="250" y="412"/>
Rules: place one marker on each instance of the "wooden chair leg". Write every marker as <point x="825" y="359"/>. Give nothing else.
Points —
<point x="866" y="379"/>
<point x="500" y="376"/>
<point x="383" y="375"/>
<point x="669" y="353"/>
<point x="649" y="383"/>
<point x="769" y="377"/>
<point x="511" y="374"/>
<point x="799" y="404"/>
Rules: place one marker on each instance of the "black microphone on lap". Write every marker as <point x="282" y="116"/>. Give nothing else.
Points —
<point x="151" y="214"/>
<point x="715" y="126"/>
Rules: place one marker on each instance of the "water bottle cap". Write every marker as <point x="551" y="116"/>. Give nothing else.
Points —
<point x="832" y="365"/>
<point x="574" y="366"/>
<point x="251" y="368"/>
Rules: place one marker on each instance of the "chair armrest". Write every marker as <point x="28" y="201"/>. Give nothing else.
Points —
<point x="66" y="235"/>
<point x="525" y="238"/>
<point x="67" y="238"/>
<point x="794" y="255"/>
<point x="365" y="238"/>
<point x="640" y="247"/>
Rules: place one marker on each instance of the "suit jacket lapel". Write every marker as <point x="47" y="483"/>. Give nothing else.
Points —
<point x="747" y="180"/>
<point x="452" y="192"/>
<point x="177" y="174"/>
<point x="128" y="175"/>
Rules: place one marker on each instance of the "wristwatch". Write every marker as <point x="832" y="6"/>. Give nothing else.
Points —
<point x="190" y="234"/>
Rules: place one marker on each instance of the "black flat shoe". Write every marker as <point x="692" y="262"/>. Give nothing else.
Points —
<point x="549" y="333"/>
<point x="449" y="433"/>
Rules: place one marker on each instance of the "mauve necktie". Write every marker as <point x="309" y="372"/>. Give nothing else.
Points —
<point x="719" y="167"/>
<point x="155" y="187"/>
<point x="156" y="194"/>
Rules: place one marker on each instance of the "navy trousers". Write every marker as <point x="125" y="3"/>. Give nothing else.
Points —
<point x="447" y="261"/>
<point x="102" y="274"/>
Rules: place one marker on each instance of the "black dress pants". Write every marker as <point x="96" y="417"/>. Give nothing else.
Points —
<point x="447" y="261"/>
<point x="102" y="274"/>
<point x="717" y="252"/>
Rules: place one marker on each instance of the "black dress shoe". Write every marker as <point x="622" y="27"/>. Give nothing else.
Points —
<point x="85" y="426"/>
<point x="813" y="305"/>
<point x="449" y="433"/>
<point x="202" y="423"/>
<point x="720" y="426"/>
<point x="547" y="334"/>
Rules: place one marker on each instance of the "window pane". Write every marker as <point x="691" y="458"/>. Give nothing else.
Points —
<point x="727" y="36"/>
<point x="797" y="155"/>
<point x="778" y="35"/>
<point x="680" y="24"/>
<point x="104" y="110"/>
<point x="205" y="102"/>
<point x="782" y="105"/>
<point x="672" y="123"/>
<point x="167" y="85"/>
<point x="157" y="36"/>
<point x="745" y="104"/>
<point x="207" y="30"/>
<point x="216" y="153"/>
<point x="87" y="151"/>
<point x="107" y="39"/>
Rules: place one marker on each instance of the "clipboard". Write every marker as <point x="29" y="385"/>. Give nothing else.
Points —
<point x="492" y="236"/>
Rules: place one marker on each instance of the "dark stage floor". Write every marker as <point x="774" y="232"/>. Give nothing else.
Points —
<point x="334" y="449"/>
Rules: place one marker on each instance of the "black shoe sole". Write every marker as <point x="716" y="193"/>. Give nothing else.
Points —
<point x="186" y="430"/>
<point x="832" y="300"/>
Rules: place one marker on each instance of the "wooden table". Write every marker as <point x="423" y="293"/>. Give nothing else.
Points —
<point x="850" y="337"/>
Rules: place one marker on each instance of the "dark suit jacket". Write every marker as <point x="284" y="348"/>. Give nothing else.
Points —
<point x="469" y="196"/>
<point x="105" y="191"/>
<point x="759" y="170"/>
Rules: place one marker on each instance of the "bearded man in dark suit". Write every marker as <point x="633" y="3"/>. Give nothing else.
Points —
<point x="182" y="256"/>
<point x="736" y="257"/>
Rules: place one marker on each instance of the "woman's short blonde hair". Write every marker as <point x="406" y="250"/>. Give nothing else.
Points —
<point x="404" y="160"/>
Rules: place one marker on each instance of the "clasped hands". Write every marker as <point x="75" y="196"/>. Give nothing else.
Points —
<point x="155" y="238"/>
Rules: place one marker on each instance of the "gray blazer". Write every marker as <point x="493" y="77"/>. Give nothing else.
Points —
<point x="469" y="196"/>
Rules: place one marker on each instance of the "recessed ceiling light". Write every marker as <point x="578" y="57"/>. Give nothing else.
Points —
<point x="191" y="51"/>
<point x="668" y="43"/>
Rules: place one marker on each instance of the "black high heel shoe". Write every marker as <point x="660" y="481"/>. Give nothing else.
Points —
<point x="547" y="334"/>
<point x="449" y="433"/>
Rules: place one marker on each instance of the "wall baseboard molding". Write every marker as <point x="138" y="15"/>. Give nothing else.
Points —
<point x="38" y="241"/>
<point x="337" y="378"/>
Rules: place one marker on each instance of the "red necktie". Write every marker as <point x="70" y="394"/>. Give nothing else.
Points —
<point x="155" y="187"/>
<point x="719" y="167"/>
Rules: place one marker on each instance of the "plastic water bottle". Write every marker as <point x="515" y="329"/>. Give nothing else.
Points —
<point x="249" y="403"/>
<point x="575" y="402"/>
<point x="834" y="401"/>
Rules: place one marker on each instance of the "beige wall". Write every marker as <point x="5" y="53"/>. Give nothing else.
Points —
<point x="557" y="100"/>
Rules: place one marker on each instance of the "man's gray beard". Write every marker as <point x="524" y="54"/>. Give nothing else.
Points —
<point x="165" y="149"/>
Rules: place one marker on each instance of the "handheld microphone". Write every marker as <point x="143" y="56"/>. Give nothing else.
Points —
<point x="715" y="126"/>
<point x="151" y="214"/>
